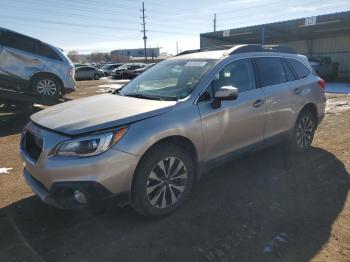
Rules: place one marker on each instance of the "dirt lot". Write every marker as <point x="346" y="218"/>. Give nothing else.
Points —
<point x="267" y="206"/>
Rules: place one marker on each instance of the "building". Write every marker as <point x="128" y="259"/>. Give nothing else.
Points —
<point x="124" y="55"/>
<point x="323" y="35"/>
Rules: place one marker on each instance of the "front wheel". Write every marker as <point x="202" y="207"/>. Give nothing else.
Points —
<point x="162" y="181"/>
<point x="96" y="77"/>
<point x="303" y="133"/>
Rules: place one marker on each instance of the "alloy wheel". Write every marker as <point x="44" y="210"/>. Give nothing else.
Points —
<point x="305" y="132"/>
<point x="46" y="87"/>
<point x="166" y="182"/>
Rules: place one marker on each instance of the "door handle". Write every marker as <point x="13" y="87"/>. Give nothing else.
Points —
<point x="258" y="103"/>
<point x="297" y="91"/>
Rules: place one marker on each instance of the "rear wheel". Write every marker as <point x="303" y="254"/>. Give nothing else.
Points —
<point x="303" y="133"/>
<point x="163" y="180"/>
<point x="47" y="87"/>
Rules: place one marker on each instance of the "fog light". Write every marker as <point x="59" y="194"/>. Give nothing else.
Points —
<point x="80" y="197"/>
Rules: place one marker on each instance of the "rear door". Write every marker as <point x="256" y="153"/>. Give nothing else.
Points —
<point x="276" y="82"/>
<point x="237" y="123"/>
<point x="18" y="61"/>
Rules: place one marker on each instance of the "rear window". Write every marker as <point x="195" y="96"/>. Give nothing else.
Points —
<point x="299" y="68"/>
<point x="271" y="71"/>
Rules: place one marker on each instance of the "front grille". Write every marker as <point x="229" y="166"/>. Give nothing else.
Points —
<point x="33" y="145"/>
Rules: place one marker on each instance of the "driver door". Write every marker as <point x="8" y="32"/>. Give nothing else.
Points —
<point x="237" y="123"/>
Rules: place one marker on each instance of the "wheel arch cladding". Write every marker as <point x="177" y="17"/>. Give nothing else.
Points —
<point x="180" y="141"/>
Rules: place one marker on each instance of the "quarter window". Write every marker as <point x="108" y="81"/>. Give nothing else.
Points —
<point x="271" y="71"/>
<point x="237" y="74"/>
<point x="47" y="51"/>
<point x="300" y="69"/>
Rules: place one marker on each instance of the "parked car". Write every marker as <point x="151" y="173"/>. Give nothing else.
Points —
<point x="88" y="72"/>
<point x="126" y="71"/>
<point x="324" y="67"/>
<point x="139" y="71"/>
<point x="79" y="65"/>
<point x="107" y="69"/>
<point x="148" y="143"/>
<point x="36" y="67"/>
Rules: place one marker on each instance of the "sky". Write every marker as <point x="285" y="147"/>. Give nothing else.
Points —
<point x="104" y="25"/>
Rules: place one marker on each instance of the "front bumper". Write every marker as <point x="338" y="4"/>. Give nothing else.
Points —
<point x="112" y="170"/>
<point x="61" y="194"/>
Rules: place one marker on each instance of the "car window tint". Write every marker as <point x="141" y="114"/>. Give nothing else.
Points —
<point x="20" y="42"/>
<point x="1" y="37"/>
<point x="46" y="51"/>
<point x="289" y="73"/>
<point x="238" y="74"/>
<point x="300" y="69"/>
<point x="271" y="71"/>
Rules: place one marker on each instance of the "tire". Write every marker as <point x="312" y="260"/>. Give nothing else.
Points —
<point x="303" y="132"/>
<point x="124" y="75"/>
<point x="156" y="193"/>
<point x="47" y="87"/>
<point x="96" y="76"/>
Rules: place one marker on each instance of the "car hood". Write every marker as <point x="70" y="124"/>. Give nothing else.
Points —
<point x="99" y="112"/>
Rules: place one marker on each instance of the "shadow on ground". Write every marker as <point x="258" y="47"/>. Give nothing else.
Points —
<point x="267" y="206"/>
<point x="13" y="119"/>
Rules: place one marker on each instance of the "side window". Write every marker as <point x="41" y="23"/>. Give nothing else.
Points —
<point x="46" y="51"/>
<point x="300" y="69"/>
<point x="2" y="33"/>
<point x="238" y="74"/>
<point x="20" y="42"/>
<point x="271" y="71"/>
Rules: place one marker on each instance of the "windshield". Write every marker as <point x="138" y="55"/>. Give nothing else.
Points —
<point x="106" y="67"/>
<point x="171" y="79"/>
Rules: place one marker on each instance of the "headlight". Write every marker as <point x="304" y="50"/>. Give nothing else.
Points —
<point x="89" y="145"/>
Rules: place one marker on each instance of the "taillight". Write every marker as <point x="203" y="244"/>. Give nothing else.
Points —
<point x="322" y="83"/>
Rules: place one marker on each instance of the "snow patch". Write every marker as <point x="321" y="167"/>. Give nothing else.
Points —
<point x="5" y="170"/>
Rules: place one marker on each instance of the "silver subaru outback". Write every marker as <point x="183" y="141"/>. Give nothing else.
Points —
<point x="149" y="142"/>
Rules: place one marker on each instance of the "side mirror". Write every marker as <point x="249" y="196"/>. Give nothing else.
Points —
<point x="224" y="93"/>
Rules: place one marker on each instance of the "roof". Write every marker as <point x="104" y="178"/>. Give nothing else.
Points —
<point x="329" y="25"/>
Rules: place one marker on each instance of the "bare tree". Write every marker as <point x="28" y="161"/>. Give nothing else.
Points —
<point x="73" y="55"/>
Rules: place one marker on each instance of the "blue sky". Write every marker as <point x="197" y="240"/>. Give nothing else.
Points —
<point x="96" y="25"/>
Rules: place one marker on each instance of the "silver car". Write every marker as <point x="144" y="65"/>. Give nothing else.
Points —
<point x="36" y="67"/>
<point x="148" y="143"/>
<point x="88" y="72"/>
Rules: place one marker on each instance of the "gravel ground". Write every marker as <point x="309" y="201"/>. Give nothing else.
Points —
<point x="266" y="206"/>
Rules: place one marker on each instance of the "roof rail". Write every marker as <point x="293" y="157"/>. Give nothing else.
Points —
<point x="238" y="49"/>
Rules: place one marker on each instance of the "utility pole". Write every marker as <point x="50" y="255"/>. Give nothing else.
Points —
<point x="215" y="22"/>
<point x="144" y="29"/>
<point x="177" y="48"/>
<point x="263" y="35"/>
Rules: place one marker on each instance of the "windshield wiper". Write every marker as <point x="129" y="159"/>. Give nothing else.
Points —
<point x="139" y="95"/>
<point x="147" y="96"/>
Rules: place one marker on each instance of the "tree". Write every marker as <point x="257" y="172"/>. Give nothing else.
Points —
<point x="73" y="55"/>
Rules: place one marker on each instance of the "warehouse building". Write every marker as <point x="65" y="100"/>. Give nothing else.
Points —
<point x="325" y="37"/>
<point x="124" y="55"/>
